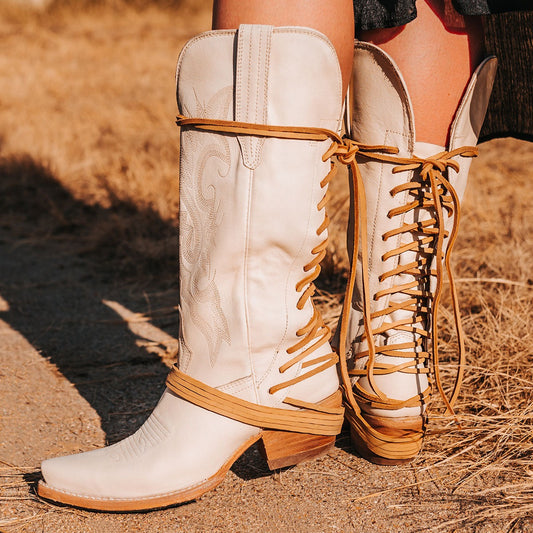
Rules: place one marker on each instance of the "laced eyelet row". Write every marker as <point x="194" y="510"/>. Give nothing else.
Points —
<point x="315" y="333"/>
<point x="428" y="241"/>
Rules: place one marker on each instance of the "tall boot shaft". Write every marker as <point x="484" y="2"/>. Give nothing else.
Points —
<point x="412" y="194"/>
<point x="251" y="213"/>
<point x="383" y="115"/>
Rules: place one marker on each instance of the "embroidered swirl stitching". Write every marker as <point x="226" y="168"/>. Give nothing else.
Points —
<point x="201" y="215"/>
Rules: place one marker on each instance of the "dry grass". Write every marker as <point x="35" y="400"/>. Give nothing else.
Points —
<point x="88" y="121"/>
<point x="493" y="450"/>
<point x="88" y="149"/>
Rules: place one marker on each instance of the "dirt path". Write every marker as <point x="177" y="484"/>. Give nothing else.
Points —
<point x="74" y="376"/>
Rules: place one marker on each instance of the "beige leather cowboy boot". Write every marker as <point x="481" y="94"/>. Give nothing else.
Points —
<point x="408" y="211"/>
<point x="255" y="362"/>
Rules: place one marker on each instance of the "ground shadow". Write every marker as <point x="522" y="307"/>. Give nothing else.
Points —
<point x="59" y="261"/>
<point x="74" y="275"/>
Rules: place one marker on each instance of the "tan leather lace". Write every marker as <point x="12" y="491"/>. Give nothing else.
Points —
<point x="441" y="196"/>
<point x="310" y="418"/>
<point x="435" y="193"/>
<point x="315" y="331"/>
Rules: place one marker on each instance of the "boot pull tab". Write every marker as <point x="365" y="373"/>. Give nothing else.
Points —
<point x="252" y="64"/>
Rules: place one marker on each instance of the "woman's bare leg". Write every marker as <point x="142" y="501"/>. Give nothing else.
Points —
<point x="436" y="57"/>
<point x="333" y="18"/>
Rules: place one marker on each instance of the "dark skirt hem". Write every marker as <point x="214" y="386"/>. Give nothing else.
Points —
<point x="378" y="14"/>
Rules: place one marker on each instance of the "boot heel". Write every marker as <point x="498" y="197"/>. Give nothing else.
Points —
<point x="390" y="441"/>
<point x="283" y="448"/>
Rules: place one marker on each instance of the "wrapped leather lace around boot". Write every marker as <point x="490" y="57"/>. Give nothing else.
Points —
<point x="433" y="192"/>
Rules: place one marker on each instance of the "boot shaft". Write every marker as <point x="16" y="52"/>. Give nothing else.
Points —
<point x="249" y="206"/>
<point x="408" y="223"/>
<point x="383" y="115"/>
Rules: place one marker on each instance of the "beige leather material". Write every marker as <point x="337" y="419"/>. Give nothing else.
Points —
<point x="382" y="114"/>
<point x="470" y="115"/>
<point x="468" y="120"/>
<point x="172" y="450"/>
<point x="258" y="290"/>
<point x="402" y="262"/>
<point x="252" y="214"/>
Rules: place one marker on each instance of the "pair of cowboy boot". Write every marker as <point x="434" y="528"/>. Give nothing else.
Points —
<point x="260" y="111"/>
